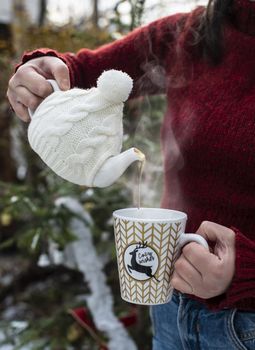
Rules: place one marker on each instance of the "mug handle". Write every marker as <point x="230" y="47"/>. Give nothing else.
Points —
<point x="55" y="87"/>
<point x="192" y="237"/>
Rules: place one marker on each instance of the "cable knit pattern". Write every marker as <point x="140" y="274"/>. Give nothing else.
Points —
<point x="76" y="131"/>
<point x="209" y="126"/>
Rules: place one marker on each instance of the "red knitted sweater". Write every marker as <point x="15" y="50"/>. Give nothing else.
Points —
<point x="210" y="116"/>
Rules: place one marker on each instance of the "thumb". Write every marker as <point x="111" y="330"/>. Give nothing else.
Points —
<point x="60" y="73"/>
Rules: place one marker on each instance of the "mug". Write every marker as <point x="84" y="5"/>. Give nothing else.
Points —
<point x="148" y="242"/>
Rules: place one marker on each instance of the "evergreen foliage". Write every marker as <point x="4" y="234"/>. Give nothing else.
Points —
<point x="34" y="300"/>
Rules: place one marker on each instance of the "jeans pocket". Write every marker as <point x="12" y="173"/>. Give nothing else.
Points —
<point x="241" y="327"/>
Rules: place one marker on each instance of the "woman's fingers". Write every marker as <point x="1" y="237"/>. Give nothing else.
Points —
<point x="32" y="81"/>
<point x="20" y="110"/>
<point x="200" y="258"/>
<point x="207" y="274"/>
<point x="51" y="68"/>
<point x="21" y="100"/>
<point x="60" y="73"/>
<point x="186" y="275"/>
<point x="28" y="86"/>
<point x="27" y="98"/>
<point x="181" y="284"/>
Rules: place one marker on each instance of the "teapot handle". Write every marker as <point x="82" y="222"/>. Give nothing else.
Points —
<point x="55" y="87"/>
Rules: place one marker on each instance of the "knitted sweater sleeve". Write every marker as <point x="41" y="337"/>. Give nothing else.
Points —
<point x="143" y="54"/>
<point x="240" y="293"/>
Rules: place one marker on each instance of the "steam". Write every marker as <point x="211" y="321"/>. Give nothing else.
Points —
<point x="159" y="79"/>
<point x="155" y="74"/>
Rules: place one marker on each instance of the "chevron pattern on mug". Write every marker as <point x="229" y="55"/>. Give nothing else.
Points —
<point x="146" y="248"/>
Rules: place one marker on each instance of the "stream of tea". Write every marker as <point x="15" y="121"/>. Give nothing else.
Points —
<point x="141" y="165"/>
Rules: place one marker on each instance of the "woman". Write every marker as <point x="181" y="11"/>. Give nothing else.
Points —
<point x="204" y="62"/>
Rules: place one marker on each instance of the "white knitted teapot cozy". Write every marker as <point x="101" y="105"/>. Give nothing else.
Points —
<point x="75" y="131"/>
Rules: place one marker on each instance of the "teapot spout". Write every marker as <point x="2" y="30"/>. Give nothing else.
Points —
<point x="115" y="166"/>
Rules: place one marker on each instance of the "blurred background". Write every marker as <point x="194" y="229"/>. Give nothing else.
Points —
<point x="59" y="284"/>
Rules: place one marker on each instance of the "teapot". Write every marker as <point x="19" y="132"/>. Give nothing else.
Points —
<point x="78" y="133"/>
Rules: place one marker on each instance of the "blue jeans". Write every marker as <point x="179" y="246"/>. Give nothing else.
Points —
<point x="185" y="324"/>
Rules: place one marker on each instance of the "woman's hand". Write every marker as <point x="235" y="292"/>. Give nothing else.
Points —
<point x="203" y="273"/>
<point x="28" y="86"/>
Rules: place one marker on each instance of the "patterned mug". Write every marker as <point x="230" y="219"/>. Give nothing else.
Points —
<point x="148" y="241"/>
